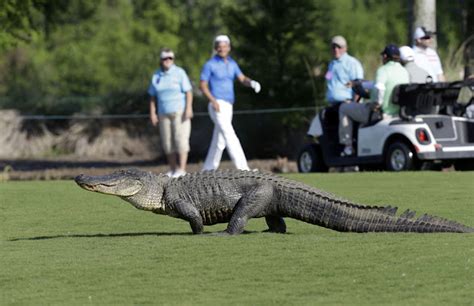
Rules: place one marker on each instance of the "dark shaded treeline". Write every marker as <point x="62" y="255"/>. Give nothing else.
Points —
<point x="62" y="57"/>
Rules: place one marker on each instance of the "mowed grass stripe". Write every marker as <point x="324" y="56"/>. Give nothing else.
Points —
<point x="60" y="244"/>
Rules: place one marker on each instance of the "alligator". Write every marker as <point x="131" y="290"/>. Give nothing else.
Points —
<point x="235" y="196"/>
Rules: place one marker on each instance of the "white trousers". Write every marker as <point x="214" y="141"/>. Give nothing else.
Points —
<point x="224" y="137"/>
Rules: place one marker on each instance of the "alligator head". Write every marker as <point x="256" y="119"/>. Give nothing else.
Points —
<point x="123" y="183"/>
<point x="142" y="189"/>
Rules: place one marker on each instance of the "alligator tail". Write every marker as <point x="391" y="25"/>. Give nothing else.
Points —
<point x="384" y="219"/>
<point x="345" y="216"/>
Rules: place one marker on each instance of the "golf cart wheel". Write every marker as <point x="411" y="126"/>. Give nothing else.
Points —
<point x="310" y="159"/>
<point x="399" y="157"/>
<point x="464" y="165"/>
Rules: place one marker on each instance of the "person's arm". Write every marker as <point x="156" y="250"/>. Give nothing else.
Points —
<point x="188" y="113"/>
<point x="153" y="116"/>
<point x="204" y="85"/>
<point x="379" y="87"/>
<point x="188" y="90"/>
<point x="152" y="94"/>
<point x="206" y="75"/>
<point x="357" y="74"/>
<point x="244" y="80"/>
<point x="439" y="69"/>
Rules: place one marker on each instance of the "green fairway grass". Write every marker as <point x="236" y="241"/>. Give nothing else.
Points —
<point x="62" y="245"/>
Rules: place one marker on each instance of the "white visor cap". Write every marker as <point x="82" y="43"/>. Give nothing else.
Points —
<point x="407" y="54"/>
<point x="222" y="38"/>
<point x="165" y="54"/>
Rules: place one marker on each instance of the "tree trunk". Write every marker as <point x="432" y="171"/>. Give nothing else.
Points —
<point x="424" y="12"/>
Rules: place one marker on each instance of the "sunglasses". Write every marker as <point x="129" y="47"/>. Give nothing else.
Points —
<point x="336" y="46"/>
<point x="167" y="58"/>
<point x="426" y="37"/>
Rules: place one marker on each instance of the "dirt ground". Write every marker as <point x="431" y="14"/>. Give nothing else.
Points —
<point x="51" y="169"/>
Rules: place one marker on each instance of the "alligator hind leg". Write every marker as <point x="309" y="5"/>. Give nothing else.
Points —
<point x="275" y="224"/>
<point x="252" y="204"/>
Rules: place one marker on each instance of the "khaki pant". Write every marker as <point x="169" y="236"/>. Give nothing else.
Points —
<point x="174" y="133"/>
<point x="349" y="112"/>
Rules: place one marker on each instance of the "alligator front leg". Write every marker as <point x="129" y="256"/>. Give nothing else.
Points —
<point x="252" y="204"/>
<point x="188" y="212"/>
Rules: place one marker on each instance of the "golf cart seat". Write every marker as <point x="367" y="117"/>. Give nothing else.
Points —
<point x="418" y="99"/>
<point x="374" y="118"/>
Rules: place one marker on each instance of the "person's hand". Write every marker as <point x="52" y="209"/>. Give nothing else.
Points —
<point x="255" y="85"/>
<point x="216" y="106"/>
<point x="188" y="114"/>
<point x="375" y="107"/>
<point x="154" y="119"/>
<point x="349" y="84"/>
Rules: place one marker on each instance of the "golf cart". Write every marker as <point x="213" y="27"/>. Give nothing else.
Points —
<point x="432" y="127"/>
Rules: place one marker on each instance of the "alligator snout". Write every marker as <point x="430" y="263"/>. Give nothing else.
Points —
<point x="79" y="179"/>
<point x="83" y="181"/>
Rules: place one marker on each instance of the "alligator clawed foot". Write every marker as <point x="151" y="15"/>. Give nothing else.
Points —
<point x="219" y="234"/>
<point x="273" y="231"/>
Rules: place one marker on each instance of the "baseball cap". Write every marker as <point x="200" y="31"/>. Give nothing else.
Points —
<point x="421" y="32"/>
<point x="391" y="50"/>
<point x="407" y="54"/>
<point x="222" y="38"/>
<point x="339" y="40"/>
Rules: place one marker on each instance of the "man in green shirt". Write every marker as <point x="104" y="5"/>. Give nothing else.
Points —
<point x="387" y="77"/>
<point x="391" y="74"/>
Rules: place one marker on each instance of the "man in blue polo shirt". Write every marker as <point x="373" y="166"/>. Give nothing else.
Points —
<point x="341" y="71"/>
<point x="217" y="84"/>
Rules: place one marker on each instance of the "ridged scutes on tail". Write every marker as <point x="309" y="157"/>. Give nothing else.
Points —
<point x="384" y="219"/>
<point x="345" y="216"/>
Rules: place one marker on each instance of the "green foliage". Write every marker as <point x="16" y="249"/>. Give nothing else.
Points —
<point x="15" y="22"/>
<point x="111" y="53"/>
<point x="200" y="22"/>
<point x="275" y="40"/>
<point x="369" y="28"/>
<point x="103" y="52"/>
<point x="62" y="245"/>
<point x="285" y="44"/>
<point x="453" y="33"/>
